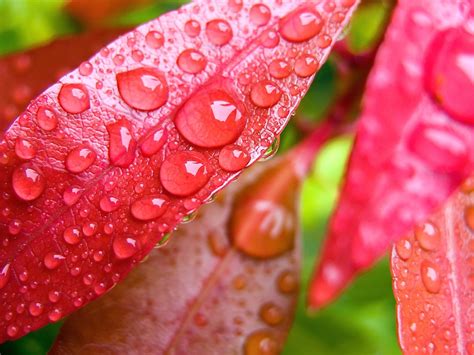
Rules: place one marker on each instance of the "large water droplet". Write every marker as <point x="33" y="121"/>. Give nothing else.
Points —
<point x="74" y="98"/>
<point x="192" y="61"/>
<point x="450" y="72"/>
<point x="430" y="276"/>
<point x="28" y="183"/>
<point x="153" y="142"/>
<point x="301" y="24"/>
<point x="184" y="173"/>
<point x="79" y="159"/>
<point x="144" y="89"/>
<point x="265" y="94"/>
<point x="233" y="158"/>
<point x="261" y="342"/>
<point x="122" y="144"/>
<point x="428" y="236"/>
<point x="149" y="207"/>
<point x="211" y="119"/>
<point x="219" y="32"/>
<point x="260" y="14"/>
<point x="125" y="247"/>
<point x="47" y="118"/>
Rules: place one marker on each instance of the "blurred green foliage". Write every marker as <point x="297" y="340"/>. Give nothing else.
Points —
<point x="362" y="321"/>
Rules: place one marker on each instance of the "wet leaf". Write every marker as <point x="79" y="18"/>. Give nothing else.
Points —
<point x="433" y="280"/>
<point x="137" y="141"/>
<point x="413" y="141"/>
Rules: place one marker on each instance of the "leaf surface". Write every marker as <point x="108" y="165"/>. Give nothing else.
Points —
<point x="141" y="139"/>
<point x="413" y="140"/>
<point x="226" y="283"/>
<point x="433" y="280"/>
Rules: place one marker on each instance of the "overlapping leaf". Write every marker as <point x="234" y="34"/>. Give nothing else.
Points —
<point x="104" y="164"/>
<point x="433" y="280"/>
<point x="413" y="142"/>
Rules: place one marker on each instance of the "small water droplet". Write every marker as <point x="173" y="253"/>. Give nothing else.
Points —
<point x="236" y="5"/>
<point x="153" y="142"/>
<point x="74" y="98"/>
<point x="122" y="144"/>
<point x="279" y="69"/>
<point x="301" y="24"/>
<point x="306" y="65"/>
<point x="261" y="342"/>
<point x="219" y="32"/>
<point x="149" y="207"/>
<point x="287" y="282"/>
<point x="260" y="14"/>
<point x="52" y="260"/>
<point x="109" y="203"/>
<point x="72" y="235"/>
<point x="404" y="249"/>
<point x="154" y="39"/>
<point x="233" y="158"/>
<point x="55" y="315"/>
<point x="80" y="159"/>
<point x="270" y="39"/>
<point x="428" y="236"/>
<point x="72" y="194"/>
<point x="272" y="150"/>
<point x="28" y="183"/>
<point x="192" y="28"/>
<point x="4" y="275"/>
<point x="265" y="94"/>
<point x="271" y="314"/>
<point x="54" y="296"/>
<point x="191" y="61"/>
<point x="125" y="247"/>
<point x="24" y="149"/>
<point x="36" y="308"/>
<point x="47" y="118"/>
<point x="430" y="276"/>
<point x="85" y="68"/>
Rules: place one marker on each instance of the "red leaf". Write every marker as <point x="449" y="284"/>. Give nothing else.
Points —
<point x="78" y="215"/>
<point x="433" y="280"/>
<point x="413" y="145"/>
<point x="213" y="289"/>
<point x="26" y="75"/>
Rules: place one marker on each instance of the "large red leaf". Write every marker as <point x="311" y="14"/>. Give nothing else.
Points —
<point x="413" y="145"/>
<point x="24" y="76"/>
<point x="433" y="280"/>
<point x="226" y="283"/>
<point x="141" y="141"/>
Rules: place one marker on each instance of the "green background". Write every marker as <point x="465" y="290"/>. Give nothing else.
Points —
<point x="362" y="321"/>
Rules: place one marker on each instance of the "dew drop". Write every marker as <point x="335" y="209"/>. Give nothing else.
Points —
<point x="430" y="276"/>
<point x="71" y="195"/>
<point x="192" y="28"/>
<point x="270" y="39"/>
<point x="191" y="61"/>
<point x="154" y="39"/>
<point x="125" y="247"/>
<point x="122" y="144"/>
<point x="52" y="260"/>
<point x="85" y="68"/>
<point x="153" y="142"/>
<point x="428" y="236"/>
<point x="404" y="249"/>
<point x="211" y="119"/>
<point x="53" y="296"/>
<point x="4" y="275"/>
<point x="271" y="314"/>
<point x="301" y="24"/>
<point x="324" y="41"/>
<point x="272" y="150"/>
<point x="144" y="89"/>
<point x="233" y="158"/>
<point x="279" y="69"/>
<point x="184" y="173"/>
<point x="265" y="94"/>
<point x="80" y="159"/>
<point x="261" y="342"/>
<point x="28" y="183"/>
<point x="449" y="74"/>
<point x="14" y="227"/>
<point x="89" y="229"/>
<point x="287" y="282"/>
<point x="74" y="98"/>
<point x="12" y="330"/>
<point x="236" y="5"/>
<point x="55" y="315"/>
<point x="260" y="14"/>
<point x="149" y="207"/>
<point x="24" y="149"/>
<point x="306" y="65"/>
<point x="72" y="235"/>
<point x="109" y="203"/>
<point x="36" y="308"/>
<point x="219" y="32"/>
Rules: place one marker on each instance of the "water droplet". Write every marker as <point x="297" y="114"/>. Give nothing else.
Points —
<point x="109" y="203"/>
<point x="404" y="249"/>
<point x="272" y="150"/>
<point x="324" y="41"/>
<point x="279" y="69"/>
<point x="236" y="5"/>
<point x="122" y="144"/>
<point x="89" y="229"/>
<point x="144" y="89"/>
<point x="54" y="296"/>
<point x="74" y="98"/>
<point x="72" y="235"/>
<point x="270" y="39"/>
<point x="154" y="39"/>
<point x="287" y="282"/>
<point x="260" y="14"/>
<point x="149" y="207"/>
<point x="449" y="74"/>
<point x="80" y="159"/>
<point x="301" y="24"/>
<point x="55" y="315"/>
<point x="271" y="314"/>
<point x="52" y="260"/>
<point x="153" y="142"/>
<point x="36" y="308"/>
<point x="125" y="247"/>
<point x="192" y="28"/>
<point x="14" y="227"/>
<point x="28" y="183"/>
<point x="233" y="158"/>
<point x="441" y="147"/>
<point x="85" y="68"/>
<point x="24" y="149"/>
<point x="430" y="276"/>
<point x="428" y="236"/>
<point x="12" y="330"/>
<point x="4" y="275"/>
<point x="47" y="118"/>
<point x="265" y="94"/>
<point x="211" y="119"/>
<point x="71" y="195"/>
<point x="306" y="65"/>
<point x="261" y="342"/>
<point x="219" y="32"/>
<point x="192" y="61"/>
<point x="184" y="173"/>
